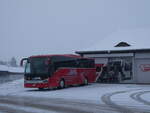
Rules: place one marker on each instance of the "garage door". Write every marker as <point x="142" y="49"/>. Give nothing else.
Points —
<point x="143" y="70"/>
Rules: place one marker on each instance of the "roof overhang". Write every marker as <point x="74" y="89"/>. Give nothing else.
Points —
<point x="113" y="51"/>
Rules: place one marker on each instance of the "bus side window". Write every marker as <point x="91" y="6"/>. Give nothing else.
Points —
<point x="67" y="64"/>
<point x="85" y="63"/>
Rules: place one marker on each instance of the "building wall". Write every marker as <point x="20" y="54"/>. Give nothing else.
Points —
<point x="142" y="67"/>
<point x="101" y="60"/>
<point x="140" y="64"/>
<point x="110" y="60"/>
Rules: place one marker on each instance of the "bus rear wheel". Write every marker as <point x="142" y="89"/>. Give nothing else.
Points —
<point x="41" y="89"/>
<point x="62" y="84"/>
<point x="85" y="81"/>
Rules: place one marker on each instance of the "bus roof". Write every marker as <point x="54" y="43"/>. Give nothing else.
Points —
<point x="65" y="55"/>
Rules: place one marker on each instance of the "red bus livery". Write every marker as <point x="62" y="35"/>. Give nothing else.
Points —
<point x="49" y="71"/>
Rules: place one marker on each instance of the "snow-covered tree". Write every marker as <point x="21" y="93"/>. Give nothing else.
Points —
<point x="3" y="62"/>
<point x="13" y="62"/>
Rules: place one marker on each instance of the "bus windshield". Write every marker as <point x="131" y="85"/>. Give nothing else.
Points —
<point x="37" y="66"/>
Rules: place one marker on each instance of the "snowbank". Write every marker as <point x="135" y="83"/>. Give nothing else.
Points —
<point x="11" y="69"/>
<point x="16" y="69"/>
<point x="3" y="68"/>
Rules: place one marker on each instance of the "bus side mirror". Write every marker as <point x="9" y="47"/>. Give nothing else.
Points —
<point x="24" y="59"/>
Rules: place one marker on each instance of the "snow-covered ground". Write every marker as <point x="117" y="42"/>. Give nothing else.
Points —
<point x="11" y="69"/>
<point x="3" y="68"/>
<point x="119" y="94"/>
<point x="16" y="69"/>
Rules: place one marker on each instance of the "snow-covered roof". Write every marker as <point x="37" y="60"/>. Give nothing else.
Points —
<point x="137" y="39"/>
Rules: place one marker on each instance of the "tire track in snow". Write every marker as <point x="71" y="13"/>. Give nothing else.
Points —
<point x="7" y="106"/>
<point x="61" y="106"/>
<point x="106" y="98"/>
<point x="137" y="97"/>
<point x="6" y="109"/>
<point x="51" y="107"/>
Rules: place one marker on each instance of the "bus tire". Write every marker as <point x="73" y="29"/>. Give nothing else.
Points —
<point x="41" y="89"/>
<point x="85" y="81"/>
<point x="62" y="84"/>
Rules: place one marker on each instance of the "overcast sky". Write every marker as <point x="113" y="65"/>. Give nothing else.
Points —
<point x="30" y="27"/>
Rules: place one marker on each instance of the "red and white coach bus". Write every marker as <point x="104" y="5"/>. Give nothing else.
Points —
<point x="49" y="71"/>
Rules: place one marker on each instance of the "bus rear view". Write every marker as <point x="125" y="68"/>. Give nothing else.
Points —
<point x="49" y="71"/>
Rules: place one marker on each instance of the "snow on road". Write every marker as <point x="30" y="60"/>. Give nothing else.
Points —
<point x="146" y="96"/>
<point x="92" y="92"/>
<point x="23" y="109"/>
<point x="122" y="96"/>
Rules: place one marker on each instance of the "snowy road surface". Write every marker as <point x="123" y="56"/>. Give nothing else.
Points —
<point x="94" y="98"/>
<point x="43" y="105"/>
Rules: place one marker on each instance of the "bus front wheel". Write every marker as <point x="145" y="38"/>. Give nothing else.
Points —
<point x="41" y="89"/>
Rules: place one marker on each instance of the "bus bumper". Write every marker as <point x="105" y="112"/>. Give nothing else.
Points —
<point x="36" y="85"/>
